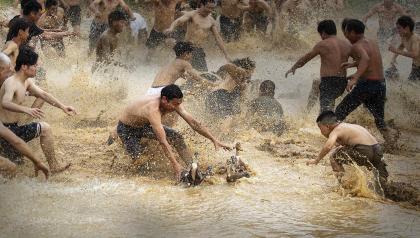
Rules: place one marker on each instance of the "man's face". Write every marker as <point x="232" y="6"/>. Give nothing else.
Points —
<point x="351" y="36"/>
<point x="208" y="8"/>
<point x="403" y="31"/>
<point x="30" y="70"/>
<point x="5" y="72"/>
<point x="170" y="105"/>
<point x="119" y="25"/>
<point x="325" y="130"/>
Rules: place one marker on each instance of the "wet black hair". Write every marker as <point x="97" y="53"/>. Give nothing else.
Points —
<point x="31" y="6"/>
<point x="171" y="91"/>
<point x="267" y="87"/>
<point x="27" y="56"/>
<point x="344" y="24"/>
<point x="116" y="15"/>
<point x="328" y="27"/>
<point x="327" y="118"/>
<point x="18" y="24"/>
<point x="354" y="25"/>
<point x="50" y="3"/>
<point x="183" y="47"/>
<point x="245" y="63"/>
<point x="405" y="21"/>
<point x="205" y="2"/>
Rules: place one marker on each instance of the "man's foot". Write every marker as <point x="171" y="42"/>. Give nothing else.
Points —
<point x="60" y="169"/>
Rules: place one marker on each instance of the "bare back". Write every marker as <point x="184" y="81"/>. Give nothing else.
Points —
<point x="375" y="69"/>
<point x="333" y="52"/>
<point x="139" y="112"/>
<point x="199" y="28"/>
<point x="351" y="134"/>
<point x="170" y="73"/>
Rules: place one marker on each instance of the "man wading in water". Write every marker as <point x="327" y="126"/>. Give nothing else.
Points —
<point x="143" y="119"/>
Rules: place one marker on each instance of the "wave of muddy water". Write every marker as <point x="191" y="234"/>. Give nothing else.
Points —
<point x="101" y="198"/>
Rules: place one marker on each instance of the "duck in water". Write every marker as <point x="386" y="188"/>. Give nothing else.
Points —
<point x="236" y="168"/>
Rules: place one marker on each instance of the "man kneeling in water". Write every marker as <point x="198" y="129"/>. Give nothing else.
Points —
<point x="143" y="118"/>
<point x="356" y="145"/>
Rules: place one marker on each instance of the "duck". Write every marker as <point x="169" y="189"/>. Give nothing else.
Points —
<point x="236" y="168"/>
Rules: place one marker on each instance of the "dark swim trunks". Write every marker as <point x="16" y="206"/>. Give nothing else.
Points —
<point x="198" y="60"/>
<point x="73" y="13"/>
<point x="131" y="136"/>
<point x="26" y="132"/>
<point x="155" y="39"/>
<point x="96" y="30"/>
<point x="230" y="28"/>
<point x="222" y="103"/>
<point x="363" y="155"/>
<point x="258" y="20"/>
<point x="330" y="89"/>
<point x="415" y="73"/>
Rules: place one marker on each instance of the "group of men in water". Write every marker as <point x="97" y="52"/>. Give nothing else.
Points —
<point x="186" y="27"/>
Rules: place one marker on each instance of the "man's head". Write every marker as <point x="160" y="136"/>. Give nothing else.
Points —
<point x="206" y="7"/>
<point x="19" y="29"/>
<point x="355" y="30"/>
<point x="170" y="98"/>
<point x="327" y="121"/>
<point x="32" y="10"/>
<point x="184" y="50"/>
<point x="405" y="25"/>
<point x="327" y="28"/>
<point x="5" y="67"/>
<point x="51" y="6"/>
<point x="388" y="3"/>
<point x="247" y="64"/>
<point x="27" y="62"/>
<point x="117" y="20"/>
<point x="267" y="88"/>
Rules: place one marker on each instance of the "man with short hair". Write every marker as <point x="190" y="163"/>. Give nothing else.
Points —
<point x="356" y="145"/>
<point x="333" y="52"/>
<point x="231" y="17"/>
<point x="367" y="86"/>
<point x="409" y="41"/>
<point x="18" y="35"/>
<point x="143" y="119"/>
<point x="12" y="94"/>
<point x="200" y="24"/>
<point x="387" y="12"/>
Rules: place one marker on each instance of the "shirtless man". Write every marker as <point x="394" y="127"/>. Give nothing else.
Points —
<point x="367" y="85"/>
<point x="200" y="24"/>
<point x="354" y="141"/>
<point x="333" y="52"/>
<point x="409" y="41"/>
<point x="12" y="95"/>
<point x="8" y="168"/>
<point x="178" y="68"/>
<point x="108" y="41"/>
<point x="73" y="13"/>
<point x="258" y="15"/>
<point x="387" y="11"/>
<point x="231" y="18"/>
<point x="164" y="16"/>
<point x="142" y="119"/>
<point x="101" y="10"/>
<point x="18" y="34"/>
<point x="53" y="19"/>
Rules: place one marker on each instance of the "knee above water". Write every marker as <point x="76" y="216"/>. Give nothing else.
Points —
<point x="45" y="128"/>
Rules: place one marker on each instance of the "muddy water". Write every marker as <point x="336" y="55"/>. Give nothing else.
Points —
<point x="99" y="197"/>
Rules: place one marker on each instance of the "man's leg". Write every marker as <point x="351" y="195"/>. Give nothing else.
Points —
<point x="415" y="73"/>
<point x="349" y="104"/>
<point x="47" y="145"/>
<point x="7" y="168"/>
<point x="313" y="95"/>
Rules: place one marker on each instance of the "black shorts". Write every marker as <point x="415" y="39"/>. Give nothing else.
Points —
<point x="73" y="13"/>
<point x="155" y="39"/>
<point x="330" y="89"/>
<point x="415" y="73"/>
<point x="96" y="30"/>
<point x="222" y="103"/>
<point x="131" y="136"/>
<point x="230" y="28"/>
<point x="258" y="20"/>
<point x="26" y="132"/>
<point x="198" y="60"/>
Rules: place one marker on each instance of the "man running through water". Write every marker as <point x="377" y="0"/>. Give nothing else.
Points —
<point x="8" y="168"/>
<point x="356" y="144"/>
<point x="409" y="41"/>
<point x="387" y="12"/>
<point x="200" y="24"/>
<point x="333" y="52"/>
<point x="101" y="10"/>
<point x="231" y="17"/>
<point x="258" y="16"/>
<point x="12" y="95"/>
<point x="73" y="13"/>
<point x="367" y="85"/>
<point x="143" y="119"/>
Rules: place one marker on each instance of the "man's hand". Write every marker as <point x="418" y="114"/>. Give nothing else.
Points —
<point x="352" y="81"/>
<point x="346" y="65"/>
<point x="290" y="71"/>
<point x="168" y="31"/>
<point x="177" y="170"/>
<point x="312" y="161"/>
<point x="43" y="168"/>
<point x="69" y="110"/>
<point x="35" y="113"/>
<point x="218" y="144"/>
